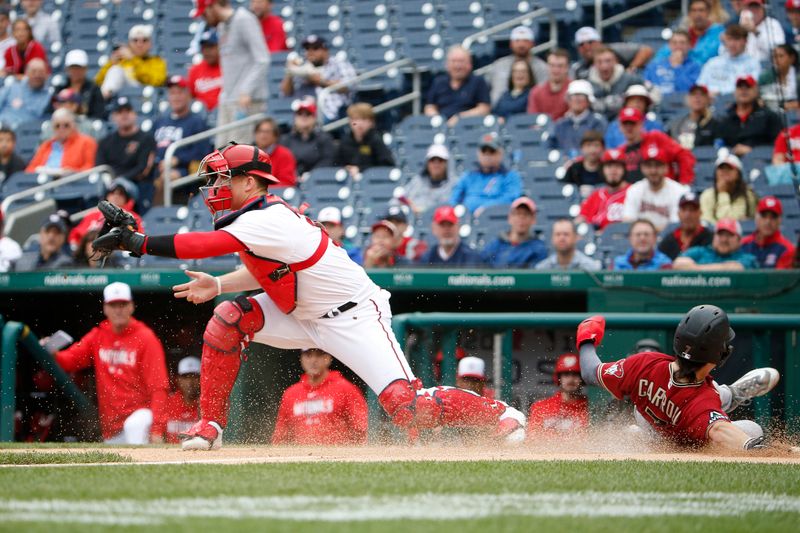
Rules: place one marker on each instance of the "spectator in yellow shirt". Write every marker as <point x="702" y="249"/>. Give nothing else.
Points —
<point x="132" y="64"/>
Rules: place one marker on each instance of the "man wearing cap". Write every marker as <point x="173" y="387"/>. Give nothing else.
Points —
<point x="747" y="123"/>
<point x="320" y="70"/>
<point x="605" y="205"/>
<point x="643" y="254"/>
<point x="471" y="375"/>
<point x="67" y="151"/>
<point x="92" y="103"/>
<point x="407" y="246"/>
<point x="567" y="410"/>
<point x="177" y="122"/>
<point x="45" y="28"/>
<point x="674" y="155"/>
<point x="521" y="44"/>
<point x="132" y="64"/>
<point x="10" y="250"/>
<point x="323" y="408"/>
<point x="26" y="99"/>
<point x="610" y="80"/>
<point x="699" y="126"/>
<point x="183" y="405"/>
<point x="310" y="146"/>
<point x="676" y="72"/>
<point x="516" y="248"/>
<point x="637" y="97"/>
<point x="130" y="372"/>
<point x="690" y="232"/>
<point x="271" y="25"/>
<point x="458" y="92"/>
<point x="205" y="77"/>
<point x="766" y="243"/>
<point x="382" y="249"/>
<point x="433" y="186"/>
<point x="720" y="73"/>
<point x="549" y="96"/>
<point x="724" y="252"/>
<point x="50" y="255"/>
<point x="450" y="250"/>
<point x="129" y="150"/>
<point x="567" y="133"/>
<point x="656" y="197"/>
<point x="764" y="33"/>
<point x="566" y="255"/>
<point x="244" y="60"/>
<point x="491" y="182"/>
<point x="634" y="55"/>
<point x="122" y="193"/>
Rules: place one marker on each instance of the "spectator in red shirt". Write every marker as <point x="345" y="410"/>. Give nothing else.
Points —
<point x="271" y="25"/>
<point x="18" y="56"/>
<point x="771" y="248"/>
<point x="183" y="405"/>
<point x="605" y="205"/>
<point x="122" y="193"/>
<point x="205" y="78"/>
<point x="567" y="410"/>
<point x="632" y="124"/>
<point x="323" y="408"/>
<point x="550" y="96"/>
<point x="471" y="376"/>
<point x="284" y="165"/>
<point x="787" y="139"/>
<point x="129" y="370"/>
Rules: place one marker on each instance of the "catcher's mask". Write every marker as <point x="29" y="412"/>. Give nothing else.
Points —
<point x="220" y="166"/>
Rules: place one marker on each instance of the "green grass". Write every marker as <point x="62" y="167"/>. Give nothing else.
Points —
<point x="146" y="484"/>
<point x="60" y="458"/>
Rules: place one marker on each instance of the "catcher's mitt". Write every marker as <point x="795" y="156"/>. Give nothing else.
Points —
<point x="118" y="233"/>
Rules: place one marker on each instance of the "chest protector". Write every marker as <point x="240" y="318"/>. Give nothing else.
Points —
<point x="278" y="279"/>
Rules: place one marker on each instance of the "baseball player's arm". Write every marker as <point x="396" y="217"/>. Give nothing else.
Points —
<point x="79" y="355"/>
<point x="590" y="333"/>
<point x="589" y="364"/>
<point x="727" y="435"/>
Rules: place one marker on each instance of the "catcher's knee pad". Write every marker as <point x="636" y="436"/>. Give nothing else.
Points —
<point x="231" y="328"/>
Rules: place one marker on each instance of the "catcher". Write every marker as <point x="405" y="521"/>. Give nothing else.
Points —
<point x="675" y="397"/>
<point x="314" y="295"/>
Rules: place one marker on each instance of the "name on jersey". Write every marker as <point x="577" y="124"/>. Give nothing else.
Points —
<point x="204" y="85"/>
<point x="658" y="397"/>
<point x="118" y="357"/>
<point x="313" y="407"/>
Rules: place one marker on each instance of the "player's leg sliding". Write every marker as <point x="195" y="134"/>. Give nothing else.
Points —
<point x="755" y="383"/>
<point x="412" y="407"/>
<point x="227" y="334"/>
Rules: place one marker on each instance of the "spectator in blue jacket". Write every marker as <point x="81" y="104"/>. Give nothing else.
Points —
<point x="178" y="122"/>
<point x="489" y="184"/>
<point x="643" y="254"/>
<point x="704" y="33"/>
<point x="516" y="248"/>
<point x="677" y="72"/>
<point x="567" y="133"/>
<point x="638" y="97"/>
<point x="26" y="99"/>
<point x="450" y="250"/>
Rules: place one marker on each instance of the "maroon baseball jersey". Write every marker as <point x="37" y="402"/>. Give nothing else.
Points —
<point x="682" y="413"/>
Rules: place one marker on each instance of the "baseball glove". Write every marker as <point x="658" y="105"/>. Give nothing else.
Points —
<point x="119" y="232"/>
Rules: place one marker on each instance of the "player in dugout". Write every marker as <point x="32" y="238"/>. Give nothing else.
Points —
<point x="675" y="398"/>
<point x="314" y="295"/>
<point x="183" y="405"/>
<point x="568" y="409"/>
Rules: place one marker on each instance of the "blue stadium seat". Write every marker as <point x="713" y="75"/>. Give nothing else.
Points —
<point x="22" y="181"/>
<point x="489" y="223"/>
<point x="166" y="220"/>
<point x="613" y="242"/>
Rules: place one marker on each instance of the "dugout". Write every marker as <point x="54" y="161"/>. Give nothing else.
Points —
<point x="71" y="300"/>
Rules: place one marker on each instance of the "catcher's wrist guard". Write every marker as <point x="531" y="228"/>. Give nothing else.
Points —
<point x="120" y="239"/>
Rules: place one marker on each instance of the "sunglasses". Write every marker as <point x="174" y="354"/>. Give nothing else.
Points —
<point x="62" y="125"/>
<point x="140" y="40"/>
<point x="488" y="150"/>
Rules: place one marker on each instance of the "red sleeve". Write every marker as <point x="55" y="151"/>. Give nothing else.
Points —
<point x="193" y="245"/>
<point x="8" y="59"/>
<point x="686" y="162"/>
<point x="589" y="207"/>
<point x="154" y="372"/>
<point x="277" y="38"/>
<point x="786" y="260"/>
<point x="192" y="74"/>
<point x="619" y="377"/>
<point x="79" y="355"/>
<point x="357" y="415"/>
<point x="281" y="433"/>
<point x="37" y="50"/>
<point x="780" y="143"/>
<point x="535" y="418"/>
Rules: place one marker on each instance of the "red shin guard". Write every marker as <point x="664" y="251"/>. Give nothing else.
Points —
<point x="227" y="334"/>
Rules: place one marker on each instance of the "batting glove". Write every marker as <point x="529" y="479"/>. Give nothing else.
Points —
<point x="591" y="330"/>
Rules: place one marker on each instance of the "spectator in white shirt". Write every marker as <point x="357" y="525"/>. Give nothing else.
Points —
<point x="656" y="197"/>
<point x="763" y="33"/>
<point x="45" y="28"/>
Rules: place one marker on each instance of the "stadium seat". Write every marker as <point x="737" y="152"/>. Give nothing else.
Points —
<point x="167" y="219"/>
<point x="23" y="181"/>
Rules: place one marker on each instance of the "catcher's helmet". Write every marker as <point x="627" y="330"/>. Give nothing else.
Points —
<point x="704" y="335"/>
<point x="233" y="160"/>
<point x="568" y="362"/>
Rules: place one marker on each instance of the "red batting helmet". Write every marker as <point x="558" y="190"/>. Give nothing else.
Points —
<point x="568" y="362"/>
<point x="233" y="160"/>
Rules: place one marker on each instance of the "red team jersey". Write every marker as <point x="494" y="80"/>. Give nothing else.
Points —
<point x="205" y="83"/>
<point x="555" y="415"/>
<point x="129" y="370"/>
<point x="180" y="416"/>
<point x="602" y="208"/>
<point x="682" y="413"/>
<point x="334" y="412"/>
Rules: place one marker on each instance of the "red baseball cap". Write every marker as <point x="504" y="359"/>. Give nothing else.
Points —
<point x="654" y="152"/>
<point x="445" y="213"/>
<point x="751" y="2"/>
<point x="770" y="203"/>
<point x="178" y="81"/>
<point x="386" y="225"/>
<point x="699" y="87"/>
<point x="306" y="104"/>
<point x="631" y="114"/>
<point x="748" y="80"/>
<point x="524" y="201"/>
<point x="200" y="8"/>
<point x="730" y="225"/>
<point x="613" y="156"/>
<point x="792" y="4"/>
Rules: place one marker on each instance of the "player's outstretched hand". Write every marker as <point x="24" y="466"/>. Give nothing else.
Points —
<point x="591" y="330"/>
<point x="202" y="288"/>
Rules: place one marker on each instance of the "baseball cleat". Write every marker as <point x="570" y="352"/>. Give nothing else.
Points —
<point x="204" y="435"/>
<point x="755" y="383"/>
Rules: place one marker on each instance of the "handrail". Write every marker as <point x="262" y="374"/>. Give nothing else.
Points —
<point x="553" y="41"/>
<point x="173" y="147"/>
<point x="10" y="199"/>
<point x="600" y="22"/>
